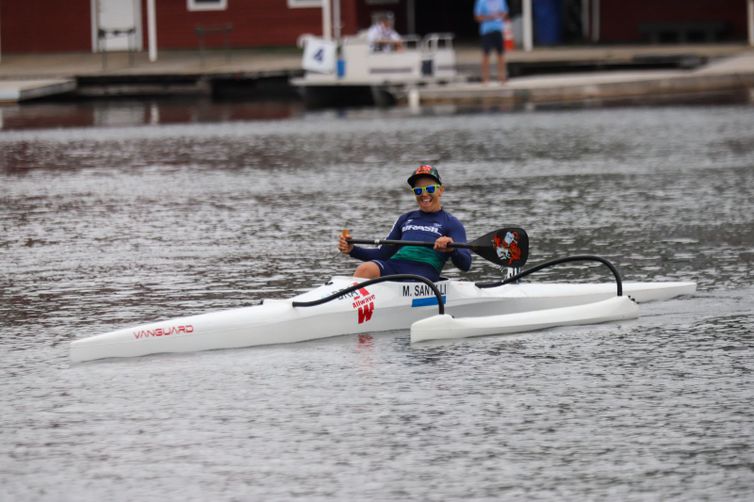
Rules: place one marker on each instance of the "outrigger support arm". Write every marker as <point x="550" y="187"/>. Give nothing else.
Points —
<point x="557" y="261"/>
<point x="395" y="277"/>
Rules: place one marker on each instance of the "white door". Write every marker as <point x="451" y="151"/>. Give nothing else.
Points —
<point x="113" y="20"/>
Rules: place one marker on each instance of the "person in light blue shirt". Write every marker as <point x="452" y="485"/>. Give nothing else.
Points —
<point x="491" y="14"/>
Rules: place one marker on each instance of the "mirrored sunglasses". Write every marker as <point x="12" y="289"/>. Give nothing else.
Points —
<point x="430" y="189"/>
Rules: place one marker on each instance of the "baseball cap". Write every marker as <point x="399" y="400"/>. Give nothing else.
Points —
<point x="424" y="170"/>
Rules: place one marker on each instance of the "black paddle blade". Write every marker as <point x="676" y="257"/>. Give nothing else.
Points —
<point x="507" y="247"/>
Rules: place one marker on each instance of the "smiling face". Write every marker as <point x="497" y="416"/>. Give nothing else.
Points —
<point x="429" y="203"/>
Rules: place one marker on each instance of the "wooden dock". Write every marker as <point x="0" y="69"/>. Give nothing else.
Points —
<point x="13" y="91"/>
<point x="545" y="75"/>
<point x="729" y="74"/>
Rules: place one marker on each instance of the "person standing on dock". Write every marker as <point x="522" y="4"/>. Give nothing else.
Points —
<point x="491" y="14"/>
<point x="429" y="223"/>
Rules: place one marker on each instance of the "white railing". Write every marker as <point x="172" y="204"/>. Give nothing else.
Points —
<point x="418" y="59"/>
<point x="439" y="55"/>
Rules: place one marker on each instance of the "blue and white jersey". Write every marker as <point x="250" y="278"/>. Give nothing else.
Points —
<point x="488" y="8"/>
<point x="425" y="227"/>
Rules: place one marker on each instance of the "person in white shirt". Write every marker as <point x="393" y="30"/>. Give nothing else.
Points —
<point x="382" y="37"/>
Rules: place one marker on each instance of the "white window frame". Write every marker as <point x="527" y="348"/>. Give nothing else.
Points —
<point x="304" y="4"/>
<point x="193" y="5"/>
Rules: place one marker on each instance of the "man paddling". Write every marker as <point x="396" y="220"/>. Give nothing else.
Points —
<point x="430" y="223"/>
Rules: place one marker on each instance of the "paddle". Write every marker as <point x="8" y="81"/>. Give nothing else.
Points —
<point x="507" y="246"/>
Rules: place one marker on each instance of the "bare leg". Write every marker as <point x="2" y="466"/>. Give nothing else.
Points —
<point x="485" y="68"/>
<point x="367" y="270"/>
<point x="502" y="75"/>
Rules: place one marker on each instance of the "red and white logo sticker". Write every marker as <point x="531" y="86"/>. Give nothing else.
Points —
<point x="364" y="303"/>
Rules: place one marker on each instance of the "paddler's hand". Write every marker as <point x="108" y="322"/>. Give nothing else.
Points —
<point x="343" y="245"/>
<point x="441" y="244"/>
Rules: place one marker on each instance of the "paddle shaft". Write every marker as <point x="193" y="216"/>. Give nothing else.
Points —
<point x="507" y="246"/>
<point x="389" y="242"/>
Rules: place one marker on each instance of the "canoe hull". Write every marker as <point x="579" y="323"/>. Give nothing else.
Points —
<point x="380" y="307"/>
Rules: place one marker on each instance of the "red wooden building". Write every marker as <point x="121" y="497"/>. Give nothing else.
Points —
<point x="91" y="25"/>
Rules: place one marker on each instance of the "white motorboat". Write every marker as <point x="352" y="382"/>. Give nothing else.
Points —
<point x="347" y="72"/>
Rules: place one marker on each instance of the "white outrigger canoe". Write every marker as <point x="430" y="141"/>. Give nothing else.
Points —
<point x="470" y="310"/>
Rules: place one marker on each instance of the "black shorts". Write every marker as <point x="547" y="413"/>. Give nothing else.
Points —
<point x="390" y="267"/>
<point x="493" y="41"/>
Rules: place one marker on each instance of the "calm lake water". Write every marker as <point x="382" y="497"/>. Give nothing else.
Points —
<point x="105" y="225"/>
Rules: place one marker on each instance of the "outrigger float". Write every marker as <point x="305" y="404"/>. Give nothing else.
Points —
<point x="441" y="310"/>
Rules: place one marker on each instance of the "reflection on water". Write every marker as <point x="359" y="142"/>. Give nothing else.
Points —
<point x="129" y="112"/>
<point x="102" y="227"/>
<point x="191" y="110"/>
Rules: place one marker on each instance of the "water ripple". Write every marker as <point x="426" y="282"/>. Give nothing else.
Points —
<point x="106" y="227"/>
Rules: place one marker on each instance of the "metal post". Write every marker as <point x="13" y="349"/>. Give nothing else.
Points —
<point x="411" y="17"/>
<point x="200" y="37"/>
<point x="585" y="19"/>
<point x="750" y="17"/>
<point x="337" y="25"/>
<point x="152" y="29"/>
<point x="95" y="26"/>
<point x="226" y="41"/>
<point x="528" y="31"/>
<point x="595" y="21"/>
<point x="326" y="20"/>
